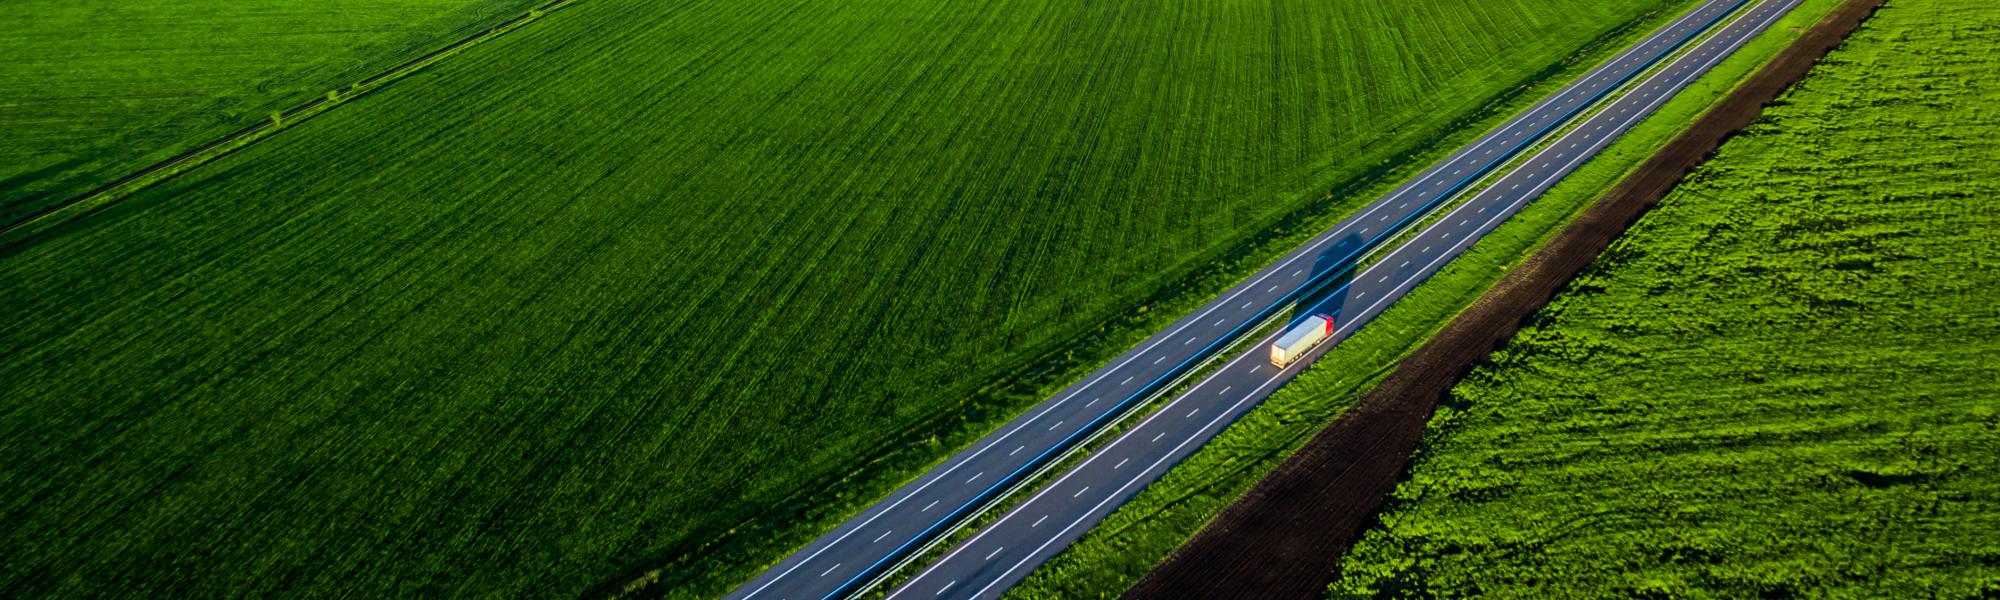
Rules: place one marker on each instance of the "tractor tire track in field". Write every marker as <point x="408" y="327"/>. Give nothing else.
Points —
<point x="38" y="224"/>
<point x="1285" y="538"/>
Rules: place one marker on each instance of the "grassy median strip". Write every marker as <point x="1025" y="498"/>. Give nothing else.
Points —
<point x="1142" y="533"/>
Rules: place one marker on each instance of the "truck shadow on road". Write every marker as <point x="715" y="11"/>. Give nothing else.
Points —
<point x="1332" y="271"/>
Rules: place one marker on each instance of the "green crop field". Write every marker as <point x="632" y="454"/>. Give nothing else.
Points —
<point x="1780" y="383"/>
<point x="670" y="283"/>
<point x="94" y="89"/>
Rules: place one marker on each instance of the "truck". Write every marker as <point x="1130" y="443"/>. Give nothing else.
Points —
<point x="1301" y="338"/>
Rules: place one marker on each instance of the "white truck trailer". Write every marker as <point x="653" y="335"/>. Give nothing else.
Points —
<point x="1301" y="338"/>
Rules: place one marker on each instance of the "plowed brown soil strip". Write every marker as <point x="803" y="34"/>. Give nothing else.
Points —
<point x="1285" y="538"/>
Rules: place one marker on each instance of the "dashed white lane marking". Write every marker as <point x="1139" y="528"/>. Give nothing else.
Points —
<point x="1189" y="341"/>
<point x="1092" y="401"/>
<point x="946" y="587"/>
<point x="975" y="477"/>
<point x="1058" y="424"/>
<point x="884" y="534"/>
<point x="1126" y="381"/>
<point x="1219" y="322"/>
<point x="1162" y="434"/>
<point x="1121" y="464"/>
<point x="996" y="552"/>
<point x="1038" y="522"/>
<point x="927" y="507"/>
<point x="829" y="569"/>
<point x="1157" y="360"/>
<point x="1080" y="492"/>
<point x="1191" y="413"/>
<point x="1225" y="389"/>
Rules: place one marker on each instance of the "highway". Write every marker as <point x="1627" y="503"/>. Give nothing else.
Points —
<point x="853" y="555"/>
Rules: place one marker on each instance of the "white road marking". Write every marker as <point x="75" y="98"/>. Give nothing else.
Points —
<point x="1161" y="435"/>
<point x="927" y="507"/>
<point x="1038" y="522"/>
<point x="1121" y="464"/>
<point x="996" y="552"/>
<point x="1192" y="412"/>
<point x="946" y="587"/>
<point x="1080" y="492"/>
<point x="829" y="569"/>
<point x="975" y="477"/>
<point x="1126" y="381"/>
<point x="1225" y="390"/>
<point x="1058" y="424"/>
<point x="884" y="534"/>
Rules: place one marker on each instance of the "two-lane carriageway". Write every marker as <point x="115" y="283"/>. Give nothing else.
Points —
<point x="857" y="552"/>
<point x="1003" y="552"/>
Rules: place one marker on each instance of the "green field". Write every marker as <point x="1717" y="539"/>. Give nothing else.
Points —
<point x="654" y="283"/>
<point x="94" y="89"/>
<point x="1780" y="383"/>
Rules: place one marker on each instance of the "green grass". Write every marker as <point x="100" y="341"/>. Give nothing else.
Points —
<point x="92" y="90"/>
<point x="1779" y="383"/>
<point x="1140" y="534"/>
<point x="672" y="283"/>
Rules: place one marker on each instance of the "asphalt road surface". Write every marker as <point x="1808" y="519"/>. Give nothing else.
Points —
<point x="850" y="556"/>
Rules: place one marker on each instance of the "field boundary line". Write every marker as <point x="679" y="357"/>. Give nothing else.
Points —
<point x="47" y="218"/>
